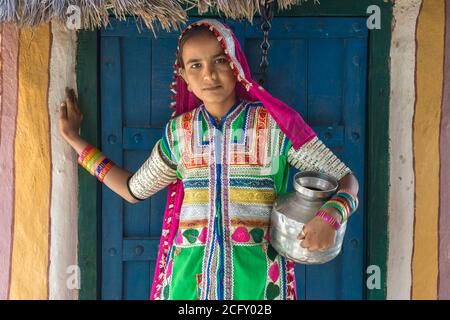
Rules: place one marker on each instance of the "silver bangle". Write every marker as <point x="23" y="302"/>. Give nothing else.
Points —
<point x="152" y="176"/>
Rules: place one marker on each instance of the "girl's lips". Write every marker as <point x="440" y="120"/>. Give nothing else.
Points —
<point x="212" y="88"/>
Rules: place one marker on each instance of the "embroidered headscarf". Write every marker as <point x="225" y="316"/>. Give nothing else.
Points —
<point x="289" y="121"/>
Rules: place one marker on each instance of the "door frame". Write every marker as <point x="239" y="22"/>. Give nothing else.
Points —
<point x="377" y="144"/>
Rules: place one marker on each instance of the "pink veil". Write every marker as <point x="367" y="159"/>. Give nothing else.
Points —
<point x="289" y="121"/>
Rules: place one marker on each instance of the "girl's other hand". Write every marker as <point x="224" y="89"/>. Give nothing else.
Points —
<point x="70" y="116"/>
<point x="318" y="235"/>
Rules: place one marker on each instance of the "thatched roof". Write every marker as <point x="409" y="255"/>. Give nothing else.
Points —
<point x="94" y="13"/>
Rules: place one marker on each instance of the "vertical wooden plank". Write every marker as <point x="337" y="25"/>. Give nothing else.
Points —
<point x="137" y="78"/>
<point x="325" y="104"/>
<point x="354" y="115"/>
<point x="286" y="81"/>
<point x="346" y="71"/>
<point x="325" y="80"/>
<point x="162" y="60"/>
<point x="136" y="222"/>
<point x="112" y="208"/>
<point x="89" y="189"/>
<point x="137" y="280"/>
<point x="137" y="94"/>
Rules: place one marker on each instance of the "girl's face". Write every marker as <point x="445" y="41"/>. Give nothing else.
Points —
<point x="206" y="69"/>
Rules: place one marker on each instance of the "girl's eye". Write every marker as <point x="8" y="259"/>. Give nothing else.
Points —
<point x="218" y="60"/>
<point x="221" y="60"/>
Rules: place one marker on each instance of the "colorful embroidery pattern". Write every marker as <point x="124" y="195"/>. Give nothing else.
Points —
<point x="231" y="174"/>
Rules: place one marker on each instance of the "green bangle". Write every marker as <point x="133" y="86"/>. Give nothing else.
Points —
<point x="345" y="210"/>
<point x="336" y="206"/>
<point x="92" y="161"/>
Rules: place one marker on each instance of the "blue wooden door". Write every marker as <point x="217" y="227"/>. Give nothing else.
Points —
<point x="316" y="65"/>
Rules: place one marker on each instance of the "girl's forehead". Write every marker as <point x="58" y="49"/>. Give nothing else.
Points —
<point x="204" y="37"/>
<point x="202" y="43"/>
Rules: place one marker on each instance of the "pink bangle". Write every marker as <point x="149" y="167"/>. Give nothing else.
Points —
<point x="328" y="219"/>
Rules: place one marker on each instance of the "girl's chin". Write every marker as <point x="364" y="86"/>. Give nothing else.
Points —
<point x="214" y="97"/>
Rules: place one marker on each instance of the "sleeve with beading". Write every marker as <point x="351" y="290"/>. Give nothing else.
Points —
<point x="157" y="172"/>
<point x="315" y="156"/>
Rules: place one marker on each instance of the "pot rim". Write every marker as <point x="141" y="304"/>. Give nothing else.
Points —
<point x="318" y="194"/>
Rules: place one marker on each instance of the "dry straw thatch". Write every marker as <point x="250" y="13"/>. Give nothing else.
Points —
<point x="94" y="13"/>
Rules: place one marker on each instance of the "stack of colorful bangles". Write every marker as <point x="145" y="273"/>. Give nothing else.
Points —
<point x="345" y="201"/>
<point x="95" y="162"/>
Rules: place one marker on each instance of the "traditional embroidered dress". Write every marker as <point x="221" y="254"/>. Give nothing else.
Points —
<point x="232" y="173"/>
<point x="223" y="179"/>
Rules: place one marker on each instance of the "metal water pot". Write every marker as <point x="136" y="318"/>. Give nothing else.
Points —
<point x="292" y="211"/>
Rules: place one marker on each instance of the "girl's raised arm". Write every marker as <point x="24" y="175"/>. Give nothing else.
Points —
<point x="152" y="176"/>
<point x="116" y="179"/>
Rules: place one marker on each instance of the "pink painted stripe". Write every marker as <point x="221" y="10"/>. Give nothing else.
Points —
<point x="444" y="205"/>
<point x="8" y="113"/>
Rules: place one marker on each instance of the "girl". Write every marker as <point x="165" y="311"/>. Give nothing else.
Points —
<point x="225" y="156"/>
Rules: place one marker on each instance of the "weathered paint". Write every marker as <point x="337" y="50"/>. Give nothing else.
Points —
<point x="39" y="203"/>
<point x="444" y="211"/>
<point x="429" y="77"/>
<point x="8" y="113"/>
<point x="30" y="258"/>
<point x="401" y="193"/>
<point x="64" y="199"/>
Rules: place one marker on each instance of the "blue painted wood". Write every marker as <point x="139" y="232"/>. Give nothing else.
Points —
<point x="339" y="99"/>
<point x="111" y="137"/>
<point x="324" y="81"/>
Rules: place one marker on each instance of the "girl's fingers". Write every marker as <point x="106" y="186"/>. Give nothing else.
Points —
<point x="63" y="110"/>
<point x="305" y="243"/>
<point x="75" y="99"/>
<point x="70" y="94"/>
<point x="70" y="100"/>
<point x="301" y="235"/>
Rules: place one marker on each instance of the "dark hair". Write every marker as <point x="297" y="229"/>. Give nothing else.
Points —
<point x="191" y="33"/>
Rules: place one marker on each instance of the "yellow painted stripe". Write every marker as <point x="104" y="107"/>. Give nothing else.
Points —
<point x="30" y="258"/>
<point x="429" y="77"/>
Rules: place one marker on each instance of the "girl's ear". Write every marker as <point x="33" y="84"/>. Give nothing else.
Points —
<point x="182" y="73"/>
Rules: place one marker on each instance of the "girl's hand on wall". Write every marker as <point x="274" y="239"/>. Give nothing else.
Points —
<point x="70" y="116"/>
<point x="318" y="235"/>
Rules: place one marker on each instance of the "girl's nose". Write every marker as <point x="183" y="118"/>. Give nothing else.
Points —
<point x="209" y="72"/>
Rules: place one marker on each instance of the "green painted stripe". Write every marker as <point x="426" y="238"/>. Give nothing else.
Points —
<point x="378" y="151"/>
<point x="89" y="190"/>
